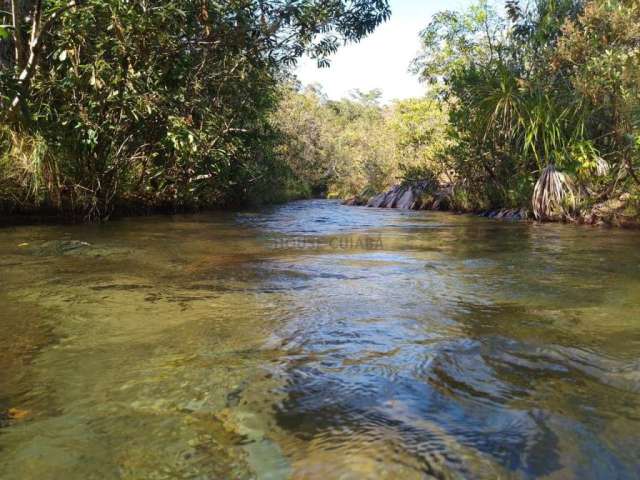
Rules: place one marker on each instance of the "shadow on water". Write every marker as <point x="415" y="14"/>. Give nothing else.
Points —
<point x="24" y="331"/>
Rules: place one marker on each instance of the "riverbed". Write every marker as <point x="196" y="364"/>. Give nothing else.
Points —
<point x="314" y="340"/>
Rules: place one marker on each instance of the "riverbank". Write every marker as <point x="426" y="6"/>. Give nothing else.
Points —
<point x="15" y="215"/>
<point x="618" y="211"/>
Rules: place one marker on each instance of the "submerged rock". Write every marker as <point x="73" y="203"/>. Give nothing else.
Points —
<point x="4" y="419"/>
<point x="59" y="247"/>
<point x="263" y="454"/>
<point x="54" y="248"/>
<point x="11" y="416"/>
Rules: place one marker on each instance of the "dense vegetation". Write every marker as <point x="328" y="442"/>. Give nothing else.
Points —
<point x="543" y="104"/>
<point x="116" y="104"/>
<point x="111" y="104"/>
<point x="539" y="107"/>
<point x="356" y="146"/>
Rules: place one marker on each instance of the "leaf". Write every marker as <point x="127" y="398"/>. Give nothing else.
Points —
<point x="18" y="414"/>
<point x="4" y="33"/>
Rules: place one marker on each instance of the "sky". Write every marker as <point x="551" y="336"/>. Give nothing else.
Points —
<point x="382" y="59"/>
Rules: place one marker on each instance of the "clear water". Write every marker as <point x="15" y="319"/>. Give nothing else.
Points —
<point x="318" y="341"/>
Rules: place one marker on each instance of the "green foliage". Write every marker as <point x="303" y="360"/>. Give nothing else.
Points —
<point x="554" y="84"/>
<point x="412" y="174"/>
<point x="182" y="104"/>
<point x="357" y="146"/>
<point x="455" y="40"/>
<point x="540" y="107"/>
<point x="306" y="137"/>
<point x="419" y="128"/>
<point x="165" y="105"/>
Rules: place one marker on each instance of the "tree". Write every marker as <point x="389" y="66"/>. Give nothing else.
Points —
<point x="166" y="103"/>
<point x="549" y="92"/>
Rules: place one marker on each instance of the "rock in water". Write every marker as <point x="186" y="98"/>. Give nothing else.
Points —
<point x="615" y="211"/>
<point x="391" y="198"/>
<point x="377" y="201"/>
<point x="424" y="195"/>
<point x="400" y="196"/>
<point x="73" y="247"/>
<point x="407" y="199"/>
<point x="354" y="201"/>
<point x="60" y="247"/>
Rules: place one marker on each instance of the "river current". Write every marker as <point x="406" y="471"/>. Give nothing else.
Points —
<point x="313" y="340"/>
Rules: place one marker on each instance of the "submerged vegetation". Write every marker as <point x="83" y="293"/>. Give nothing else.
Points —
<point x="110" y="105"/>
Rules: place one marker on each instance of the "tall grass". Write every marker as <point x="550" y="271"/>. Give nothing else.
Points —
<point x="28" y="178"/>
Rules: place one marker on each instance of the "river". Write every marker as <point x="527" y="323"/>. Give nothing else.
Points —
<point x="318" y="341"/>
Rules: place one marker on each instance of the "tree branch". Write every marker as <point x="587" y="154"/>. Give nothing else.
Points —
<point x="35" y="46"/>
<point x="16" y="17"/>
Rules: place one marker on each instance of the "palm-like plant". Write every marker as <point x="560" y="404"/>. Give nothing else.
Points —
<point x="551" y="193"/>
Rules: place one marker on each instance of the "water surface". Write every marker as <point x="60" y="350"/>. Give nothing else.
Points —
<point x="318" y="341"/>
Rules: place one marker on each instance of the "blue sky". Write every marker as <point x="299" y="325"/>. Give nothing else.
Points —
<point x="381" y="60"/>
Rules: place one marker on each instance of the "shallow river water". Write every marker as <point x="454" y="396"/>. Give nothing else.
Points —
<point x="318" y="341"/>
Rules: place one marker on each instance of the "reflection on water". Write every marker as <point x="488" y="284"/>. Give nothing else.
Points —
<point x="256" y="345"/>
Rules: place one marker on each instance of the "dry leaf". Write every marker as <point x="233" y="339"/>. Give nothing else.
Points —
<point x="18" y="414"/>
